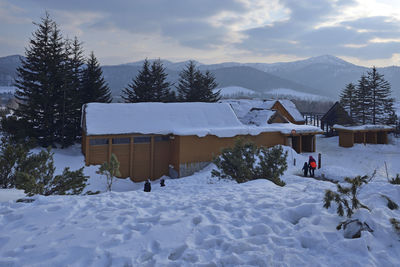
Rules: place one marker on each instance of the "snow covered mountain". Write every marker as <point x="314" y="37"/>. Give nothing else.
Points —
<point x="323" y="75"/>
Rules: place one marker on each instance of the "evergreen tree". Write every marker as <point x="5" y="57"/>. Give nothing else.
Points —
<point x="194" y="86"/>
<point x="141" y="88"/>
<point x="362" y="101"/>
<point x="381" y="105"/>
<point x="94" y="87"/>
<point x="161" y="88"/>
<point x="40" y="81"/>
<point x="70" y="100"/>
<point x="347" y="99"/>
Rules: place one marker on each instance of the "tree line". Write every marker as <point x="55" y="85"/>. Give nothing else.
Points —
<point x="151" y="85"/>
<point x="53" y="82"/>
<point x="369" y="101"/>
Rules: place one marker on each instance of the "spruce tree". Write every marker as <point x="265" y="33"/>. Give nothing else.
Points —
<point x="141" y="88"/>
<point x="194" y="86"/>
<point x="347" y="99"/>
<point x="94" y="87"/>
<point x="362" y="101"/>
<point x="161" y="88"/>
<point x="70" y="100"/>
<point x="40" y="81"/>
<point x="381" y="105"/>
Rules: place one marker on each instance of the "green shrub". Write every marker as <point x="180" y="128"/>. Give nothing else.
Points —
<point x="395" y="180"/>
<point x="245" y="162"/>
<point x="110" y="170"/>
<point x="35" y="175"/>
<point x="346" y="197"/>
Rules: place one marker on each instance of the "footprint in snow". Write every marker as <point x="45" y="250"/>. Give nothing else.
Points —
<point x="177" y="252"/>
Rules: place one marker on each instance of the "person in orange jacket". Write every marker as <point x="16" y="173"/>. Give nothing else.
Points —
<point x="312" y="165"/>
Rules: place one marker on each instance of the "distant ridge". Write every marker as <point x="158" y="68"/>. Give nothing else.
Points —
<point x="324" y="75"/>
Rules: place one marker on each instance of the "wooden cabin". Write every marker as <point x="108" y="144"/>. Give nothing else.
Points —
<point x="364" y="134"/>
<point x="335" y="115"/>
<point x="176" y="139"/>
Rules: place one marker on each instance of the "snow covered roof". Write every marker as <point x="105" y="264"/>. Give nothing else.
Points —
<point x="242" y="107"/>
<point x="291" y="108"/>
<point x="365" y="127"/>
<point x="258" y="116"/>
<point x="199" y="119"/>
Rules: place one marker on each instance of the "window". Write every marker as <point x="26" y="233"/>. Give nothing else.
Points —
<point x="142" y="139"/>
<point x="161" y="138"/>
<point x="120" y="141"/>
<point x="98" y="142"/>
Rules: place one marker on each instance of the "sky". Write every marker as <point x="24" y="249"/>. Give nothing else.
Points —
<point x="363" y="32"/>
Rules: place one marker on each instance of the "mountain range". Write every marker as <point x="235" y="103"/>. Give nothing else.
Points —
<point x="323" y="75"/>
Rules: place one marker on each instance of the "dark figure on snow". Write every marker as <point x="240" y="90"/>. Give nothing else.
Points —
<point x="162" y="182"/>
<point x="312" y="165"/>
<point x="147" y="186"/>
<point x="305" y="169"/>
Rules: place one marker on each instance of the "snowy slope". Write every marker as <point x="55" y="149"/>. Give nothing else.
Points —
<point x="232" y="91"/>
<point x="293" y="94"/>
<point x="201" y="221"/>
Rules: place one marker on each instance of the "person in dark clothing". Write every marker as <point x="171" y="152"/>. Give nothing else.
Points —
<point x="305" y="169"/>
<point x="312" y="165"/>
<point x="147" y="186"/>
<point x="162" y="182"/>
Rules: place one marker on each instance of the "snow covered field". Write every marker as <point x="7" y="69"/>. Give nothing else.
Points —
<point x="201" y="221"/>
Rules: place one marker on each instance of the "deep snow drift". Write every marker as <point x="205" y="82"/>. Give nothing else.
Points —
<point x="201" y="221"/>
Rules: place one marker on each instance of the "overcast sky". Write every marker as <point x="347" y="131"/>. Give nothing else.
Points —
<point x="364" y="32"/>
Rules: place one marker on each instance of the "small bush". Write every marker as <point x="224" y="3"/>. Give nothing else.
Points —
<point x="346" y="197"/>
<point x="110" y="170"/>
<point x="245" y="162"/>
<point x="35" y="175"/>
<point x="395" y="180"/>
<point x="396" y="225"/>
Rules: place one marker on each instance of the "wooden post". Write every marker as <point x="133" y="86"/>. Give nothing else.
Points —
<point x="319" y="160"/>
<point x="109" y="148"/>
<point x="152" y="158"/>
<point x="87" y="154"/>
<point x="131" y="158"/>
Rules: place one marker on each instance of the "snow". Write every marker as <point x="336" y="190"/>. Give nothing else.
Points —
<point x="234" y="91"/>
<point x="242" y="107"/>
<point x="199" y="119"/>
<point x="258" y="117"/>
<point x="363" y="127"/>
<point x="11" y="194"/>
<point x="202" y="221"/>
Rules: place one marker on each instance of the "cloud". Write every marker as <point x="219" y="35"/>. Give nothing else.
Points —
<point x="302" y="34"/>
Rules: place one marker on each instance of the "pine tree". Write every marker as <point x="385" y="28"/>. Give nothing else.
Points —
<point x="362" y="101"/>
<point x="381" y="105"/>
<point x="70" y="108"/>
<point x="188" y="83"/>
<point x="141" y="88"/>
<point x="94" y="87"/>
<point x="194" y="86"/>
<point x="40" y="81"/>
<point x="161" y="88"/>
<point x="347" y="99"/>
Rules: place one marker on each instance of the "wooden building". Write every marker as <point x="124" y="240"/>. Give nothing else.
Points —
<point x="364" y="134"/>
<point x="335" y="115"/>
<point x="177" y="139"/>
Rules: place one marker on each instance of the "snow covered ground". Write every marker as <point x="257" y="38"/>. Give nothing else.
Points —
<point x="234" y="91"/>
<point x="201" y="221"/>
<point x="293" y="94"/>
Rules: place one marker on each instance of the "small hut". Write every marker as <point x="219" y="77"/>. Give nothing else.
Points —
<point x="335" y="115"/>
<point x="364" y="134"/>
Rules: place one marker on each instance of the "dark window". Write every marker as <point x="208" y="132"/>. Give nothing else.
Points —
<point x="98" y="142"/>
<point x="161" y="138"/>
<point x="142" y="139"/>
<point x="119" y="141"/>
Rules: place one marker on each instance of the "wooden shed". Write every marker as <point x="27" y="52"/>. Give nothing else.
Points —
<point x="176" y="139"/>
<point x="364" y="134"/>
<point x="335" y="115"/>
